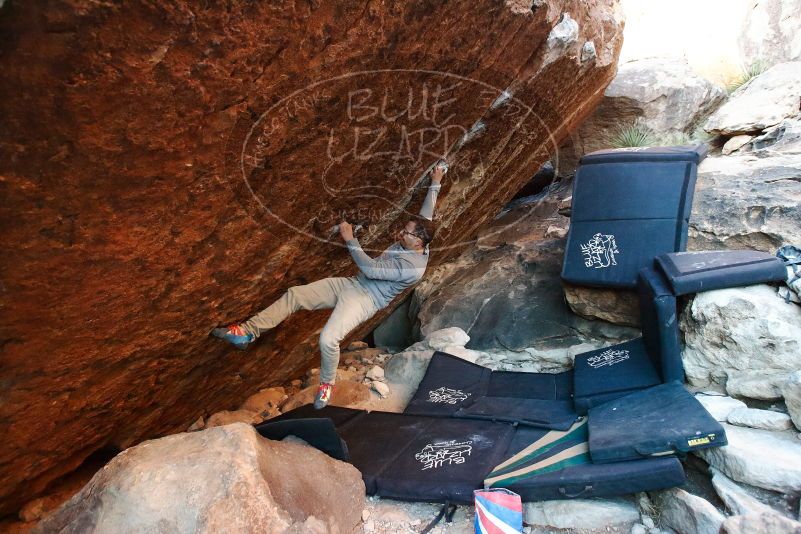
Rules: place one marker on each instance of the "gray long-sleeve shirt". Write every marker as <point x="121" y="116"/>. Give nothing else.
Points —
<point x="396" y="268"/>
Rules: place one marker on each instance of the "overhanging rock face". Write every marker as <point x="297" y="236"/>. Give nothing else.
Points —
<point x="167" y="167"/>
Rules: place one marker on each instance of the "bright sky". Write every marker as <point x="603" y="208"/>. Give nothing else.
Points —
<point x="702" y="31"/>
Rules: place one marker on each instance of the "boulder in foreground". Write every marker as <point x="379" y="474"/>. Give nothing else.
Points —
<point x="224" y="479"/>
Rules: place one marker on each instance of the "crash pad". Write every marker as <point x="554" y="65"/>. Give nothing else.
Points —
<point x="629" y="205"/>
<point x="550" y="465"/>
<point x="665" y="419"/>
<point x="694" y="272"/>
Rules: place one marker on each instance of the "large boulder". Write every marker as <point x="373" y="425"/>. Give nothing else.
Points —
<point x="770" y="32"/>
<point x="225" y="479"/>
<point x="761" y="458"/>
<point x="764" y="101"/>
<point x="747" y="202"/>
<point x="171" y="166"/>
<point x="764" y="419"/>
<point x="784" y="138"/>
<point x="395" y="331"/>
<point x="662" y="94"/>
<point x="746" y="328"/>
<point x="719" y="406"/>
<point x="737" y="499"/>
<point x="617" y="306"/>
<point x="755" y="384"/>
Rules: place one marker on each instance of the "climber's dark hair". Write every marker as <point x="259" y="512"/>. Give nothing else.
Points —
<point x="424" y="229"/>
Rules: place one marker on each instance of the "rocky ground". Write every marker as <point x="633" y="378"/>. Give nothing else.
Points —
<point x="741" y="480"/>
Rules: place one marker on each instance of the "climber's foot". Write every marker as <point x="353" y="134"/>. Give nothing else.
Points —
<point x="324" y="393"/>
<point x="235" y="335"/>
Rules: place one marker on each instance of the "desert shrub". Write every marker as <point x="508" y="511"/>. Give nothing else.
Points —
<point x="632" y="135"/>
<point x="748" y="73"/>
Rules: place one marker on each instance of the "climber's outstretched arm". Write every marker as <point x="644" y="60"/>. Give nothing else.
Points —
<point x="427" y="210"/>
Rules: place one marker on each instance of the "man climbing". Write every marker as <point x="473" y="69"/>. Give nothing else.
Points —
<point x="355" y="299"/>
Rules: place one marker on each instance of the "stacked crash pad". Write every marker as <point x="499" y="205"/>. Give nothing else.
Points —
<point x="457" y="388"/>
<point x="628" y="228"/>
<point x="694" y="272"/>
<point x="655" y="357"/>
<point x="665" y="419"/>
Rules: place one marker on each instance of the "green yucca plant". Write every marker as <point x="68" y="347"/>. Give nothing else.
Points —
<point x="632" y="135"/>
<point x="748" y="73"/>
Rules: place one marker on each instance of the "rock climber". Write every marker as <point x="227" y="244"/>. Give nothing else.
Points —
<point x="354" y="299"/>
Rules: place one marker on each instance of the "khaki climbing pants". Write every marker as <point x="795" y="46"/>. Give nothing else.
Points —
<point x="352" y="306"/>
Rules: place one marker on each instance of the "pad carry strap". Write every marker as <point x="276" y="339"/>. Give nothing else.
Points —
<point x="563" y="491"/>
<point x="446" y="511"/>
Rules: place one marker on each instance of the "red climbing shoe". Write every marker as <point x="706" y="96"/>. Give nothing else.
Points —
<point x="324" y="393"/>
<point x="235" y="335"/>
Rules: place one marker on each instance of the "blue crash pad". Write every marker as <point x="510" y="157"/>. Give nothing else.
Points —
<point x="547" y="465"/>
<point x="693" y="272"/>
<point x="604" y="374"/>
<point x="449" y="384"/>
<point x="612" y="372"/>
<point x="660" y="325"/>
<point x="665" y="419"/>
<point x="628" y="207"/>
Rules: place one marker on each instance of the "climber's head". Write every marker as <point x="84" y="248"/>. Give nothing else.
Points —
<point x="416" y="234"/>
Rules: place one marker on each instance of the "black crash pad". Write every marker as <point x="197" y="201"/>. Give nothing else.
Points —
<point x="449" y="384"/>
<point x="437" y="459"/>
<point x="420" y="458"/>
<point x="458" y="388"/>
<point x="660" y="325"/>
<point x="548" y="465"/>
<point x="604" y="374"/>
<point x="665" y="419"/>
<point x="446" y="456"/>
<point x="615" y="371"/>
<point x="556" y="414"/>
<point x="628" y="206"/>
<point x="546" y="386"/>
<point x="693" y="272"/>
<point x="657" y="154"/>
<point x="337" y="414"/>
<point x="318" y="432"/>
<point x="445" y="461"/>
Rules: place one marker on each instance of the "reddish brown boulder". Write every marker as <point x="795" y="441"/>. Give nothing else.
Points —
<point x="170" y="166"/>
